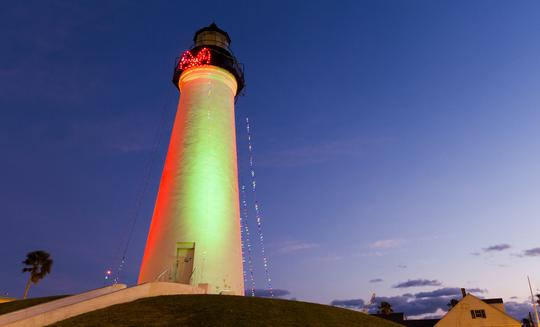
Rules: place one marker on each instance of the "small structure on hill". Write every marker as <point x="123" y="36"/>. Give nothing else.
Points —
<point x="472" y="311"/>
<point x="469" y="311"/>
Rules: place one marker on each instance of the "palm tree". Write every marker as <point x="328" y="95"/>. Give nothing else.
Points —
<point x="39" y="264"/>
<point x="384" y="308"/>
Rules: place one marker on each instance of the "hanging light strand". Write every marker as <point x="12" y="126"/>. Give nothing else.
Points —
<point x="258" y="215"/>
<point x="246" y="249"/>
<point x="242" y="243"/>
<point x="142" y="190"/>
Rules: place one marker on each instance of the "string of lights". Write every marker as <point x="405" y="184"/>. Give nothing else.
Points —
<point x="258" y="215"/>
<point x="244" y="228"/>
<point x="122" y="251"/>
<point x="243" y="251"/>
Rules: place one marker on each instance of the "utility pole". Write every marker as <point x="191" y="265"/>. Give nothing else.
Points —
<point x="534" y="303"/>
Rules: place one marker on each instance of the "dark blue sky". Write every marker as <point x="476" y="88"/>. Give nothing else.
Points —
<point x="393" y="138"/>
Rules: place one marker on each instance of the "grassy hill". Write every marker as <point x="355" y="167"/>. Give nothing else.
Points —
<point x="220" y="310"/>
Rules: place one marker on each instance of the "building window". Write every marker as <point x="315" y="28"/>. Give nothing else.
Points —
<point x="478" y="314"/>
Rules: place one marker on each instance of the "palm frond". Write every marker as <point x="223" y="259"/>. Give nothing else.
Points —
<point x="39" y="265"/>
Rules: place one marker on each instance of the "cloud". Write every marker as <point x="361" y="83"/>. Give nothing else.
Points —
<point x="123" y="134"/>
<point x="441" y="292"/>
<point x="371" y="254"/>
<point x="433" y="304"/>
<point x="295" y="246"/>
<point x="418" y="283"/>
<point x="534" y="252"/>
<point x="436" y="315"/>
<point x="401" y="303"/>
<point x="414" y="306"/>
<point x="376" y="280"/>
<point x="476" y="290"/>
<point x="475" y="253"/>
<point x="312" y="154"/>
<point x="446" y="291"/>
<point x="386" y="244"/>
<point x="266" y="293"/>
<point x="497" y="247"/>
<point x="518" y="310"/>
<point x="351" y="304"/>
<point x="327" y="258"/>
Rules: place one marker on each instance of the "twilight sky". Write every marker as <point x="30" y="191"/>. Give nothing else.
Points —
<point x="397" y="142"/>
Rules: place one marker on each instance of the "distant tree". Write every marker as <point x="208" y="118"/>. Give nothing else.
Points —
<point x="38" y="264"/>
<point x="385" y="308"/>
<point x="526" y="322"/>
<point x="452" y="304"/>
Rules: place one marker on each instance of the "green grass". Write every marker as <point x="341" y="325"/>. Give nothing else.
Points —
<point x="23" y="304"/>
<point x="221" y="310"/>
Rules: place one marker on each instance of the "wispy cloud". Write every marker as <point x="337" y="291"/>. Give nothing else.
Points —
<point x="447" y="291"/>
<point x="295" y="246"/>
<point x="387" y="244"/>
<point x="352" y="303"/>
<point x="497" y="247"/>
<point x="376" y="280"/>
<point x="534" y="252"/>
<point x="310" y="154"/>
<point x="125" y="134"/>
<point x="518" y="310"/>
<point x="328" y="258"/>
<point x="418" y="283"/>
<point x="371" y="254"/>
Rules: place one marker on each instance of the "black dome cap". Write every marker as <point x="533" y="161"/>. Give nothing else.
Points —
<point x="212" y="28"/>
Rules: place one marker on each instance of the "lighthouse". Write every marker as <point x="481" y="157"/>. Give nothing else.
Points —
<point x="194" y="236"/>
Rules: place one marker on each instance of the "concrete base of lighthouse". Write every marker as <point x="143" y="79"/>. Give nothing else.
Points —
<point x="71" y="306"/>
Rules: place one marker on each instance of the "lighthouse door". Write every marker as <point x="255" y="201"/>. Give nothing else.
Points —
<point x="184" y="262"/>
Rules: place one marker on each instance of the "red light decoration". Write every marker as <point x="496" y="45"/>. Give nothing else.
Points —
<point x="188" y="60"/>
